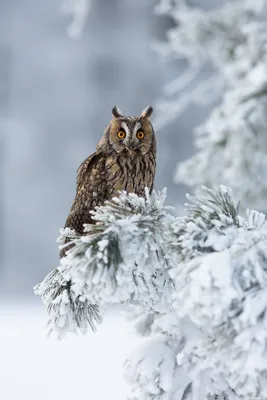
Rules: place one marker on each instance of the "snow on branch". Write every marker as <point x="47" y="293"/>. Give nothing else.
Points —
<point x="200" y="281"/>
<point x="121" y="258"/>
<point x="230" y="37"/>
<point x="216" y="328"/>
<point x="150" y="370"/>
<point x="231" y="145"/>
<point x="221" y="285"/>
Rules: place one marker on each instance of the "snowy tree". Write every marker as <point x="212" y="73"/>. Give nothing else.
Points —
<point x="200" y="280"/>
<point x="230" y="42"/>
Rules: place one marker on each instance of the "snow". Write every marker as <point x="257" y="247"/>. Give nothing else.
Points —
<point x="34" y="367"/>
<point x="231" y="144"/>
<point x="201" y="296"/>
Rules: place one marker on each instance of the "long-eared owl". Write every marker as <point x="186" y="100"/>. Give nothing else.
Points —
<point x="125" y="159"/>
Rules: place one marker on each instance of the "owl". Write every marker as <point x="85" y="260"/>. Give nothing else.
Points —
<point x="125" y="159"/>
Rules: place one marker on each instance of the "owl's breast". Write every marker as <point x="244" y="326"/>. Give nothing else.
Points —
<point x="132" y="173"/>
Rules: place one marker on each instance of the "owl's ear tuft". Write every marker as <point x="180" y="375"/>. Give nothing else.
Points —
<point x="147" y="112"/>
<point x="116" y="112"/>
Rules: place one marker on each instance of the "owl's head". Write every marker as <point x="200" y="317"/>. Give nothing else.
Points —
<point x="131" y="134"/>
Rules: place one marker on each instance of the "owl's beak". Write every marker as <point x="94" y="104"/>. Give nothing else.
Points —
<point x="132" y="143"/>
<point x="131" y="146"/>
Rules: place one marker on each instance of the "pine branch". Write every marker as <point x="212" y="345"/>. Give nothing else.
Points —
<point x="212" y="212"/>
<point x="122" y="258"/>
<point x="212" y="206"/>
<point x="67" y="312"/>
<point x="201" y="281"/>
<point x="221" y="286"/>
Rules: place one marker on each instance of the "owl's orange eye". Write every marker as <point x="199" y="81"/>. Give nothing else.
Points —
<point x="140" y="135"/>
<point x="121" y="134"/>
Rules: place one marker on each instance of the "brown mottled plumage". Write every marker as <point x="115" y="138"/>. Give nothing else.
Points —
<point x="125" y="159"/>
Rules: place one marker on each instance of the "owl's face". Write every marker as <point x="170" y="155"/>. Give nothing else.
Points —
<point x="131" y="134"/>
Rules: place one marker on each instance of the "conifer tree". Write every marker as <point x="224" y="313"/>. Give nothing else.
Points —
<point x="230" y="42"/>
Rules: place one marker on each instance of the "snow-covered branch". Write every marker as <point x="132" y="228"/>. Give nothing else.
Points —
<point x="122" y="258"/>
<point x="200" y="282"/>
<point x="224" y="292"/>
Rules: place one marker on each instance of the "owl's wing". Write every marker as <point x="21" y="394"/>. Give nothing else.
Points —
<point x="85" y="168"/>
<point x="89" y="179"/>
